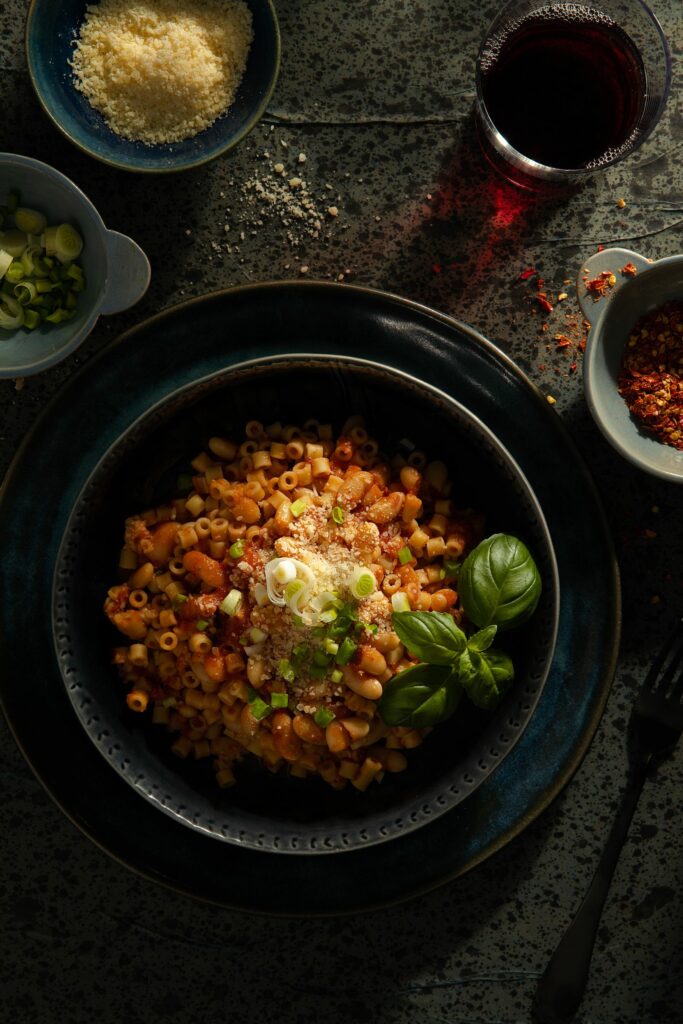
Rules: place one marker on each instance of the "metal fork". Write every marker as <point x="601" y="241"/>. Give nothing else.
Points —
<point x="655" y="726"/>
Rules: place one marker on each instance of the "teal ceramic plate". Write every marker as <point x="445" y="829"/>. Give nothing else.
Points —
<point x="193" y="341"/>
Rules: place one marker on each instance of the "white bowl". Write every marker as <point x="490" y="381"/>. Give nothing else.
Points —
<point x="117" y="272"/>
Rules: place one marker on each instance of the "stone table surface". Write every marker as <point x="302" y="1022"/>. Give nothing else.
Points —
<point x="377" y="94"/>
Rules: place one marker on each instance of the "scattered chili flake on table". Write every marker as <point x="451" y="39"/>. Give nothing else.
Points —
<point x="651" y="375"/>
<point x="628" y="270"/>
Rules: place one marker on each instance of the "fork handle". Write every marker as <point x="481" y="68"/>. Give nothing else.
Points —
<point x="563" y="983"/>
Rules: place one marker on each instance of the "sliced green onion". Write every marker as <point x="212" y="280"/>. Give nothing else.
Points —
<point x="321" y="658"/>
<point x="299" y="655"/>
<point x="338" y="515"/>
<point x="362" y="583"/>
<point x="231" y="604"/>
<point x="259" y="709"/>
<point x="405" y="555"/>
<point x="260" y="595"/>
<point x="11" y="313"/>
<point x="252" y="694"/>
<point x="297" y="507"/>
<point x="323" y="717"/>
<point x="68" y="243"/>
<point x="5" y="262"/>
<point x="400" y="602"/>
<point x="329" y="615"/>
<point x="179" y="600"/>
<point x="25" y="292"/>
<point x="58" y="316"/>
<point x="257" y="636"/>
<point x="31" y="319"/>
<point x="337" y="676"/>
<point x="293" y="589"/>
<point x="15" y="272"/>
<point x="14" y="242"/>
<point x="346" y="651"/>
<point x="30" y="221"/>
<point x="286" y="670"/>
<point x="202" y="624"/>
<point x="285" y="571"/>
<point x="279" y="700"/>
<point x="236" y="550"/>
<point x="371" y="627"/>
<point x="331" y="647"/>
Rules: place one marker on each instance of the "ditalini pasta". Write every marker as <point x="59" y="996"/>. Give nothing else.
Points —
<point x="258" y="606"/>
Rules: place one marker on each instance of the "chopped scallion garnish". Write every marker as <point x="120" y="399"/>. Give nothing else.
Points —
<point x="362" y="583"/>
<point x="202" y="624"/>
<point x="405" y="555"/>
<point x="236" y="550"/>
<point x="346" y="651"/>
<point x="331" y="647"/>
<point x="279" y="700"/>
<point x="297" y="507"/>
<point x="260" y="709"/>
<point x="231" y="604"/>
<point x="338" y="515"/>
<point x="323" y="717"/>
<point x="400" y="602"/>
<point x="286" y="670"/>
<point x="337" y="676"/>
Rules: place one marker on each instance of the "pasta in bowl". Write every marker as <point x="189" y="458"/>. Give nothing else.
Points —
<point x="273" y="598"/>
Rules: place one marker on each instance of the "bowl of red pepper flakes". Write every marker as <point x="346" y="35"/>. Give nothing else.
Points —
<point x="633" y="366"/>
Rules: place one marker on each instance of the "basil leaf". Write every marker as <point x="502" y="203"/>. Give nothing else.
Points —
<point x="420" y="696"/>
<point x="485" y="677"/>
<point x="430" y="636"/>
<point x="482" y="640"/>
<point x="499" y="583"/>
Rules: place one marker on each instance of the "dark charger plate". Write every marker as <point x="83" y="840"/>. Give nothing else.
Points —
<point x="194" y="341"/>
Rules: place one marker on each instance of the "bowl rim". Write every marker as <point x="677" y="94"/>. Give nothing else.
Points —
<point x="413" y="820"/>
<point x="253" y="120"/>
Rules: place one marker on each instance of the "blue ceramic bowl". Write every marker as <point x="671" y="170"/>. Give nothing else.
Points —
<point x="50" y="32"/>
<point x="116" y="269"/>
<point x="612" y="319"/>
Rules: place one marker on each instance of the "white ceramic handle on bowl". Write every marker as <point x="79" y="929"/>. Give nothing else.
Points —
<point x="608" y="259"/>
<point x="128" y="273"/>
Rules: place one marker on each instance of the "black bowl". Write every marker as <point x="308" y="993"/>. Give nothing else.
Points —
<point x="276" y="812"/>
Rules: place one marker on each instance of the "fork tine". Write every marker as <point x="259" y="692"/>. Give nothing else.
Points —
<point x="652" y="680"/>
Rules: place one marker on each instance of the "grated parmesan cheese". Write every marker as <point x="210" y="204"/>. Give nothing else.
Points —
<point x="164" y="71"/>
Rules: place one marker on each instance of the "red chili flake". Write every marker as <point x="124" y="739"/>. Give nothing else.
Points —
<point x="526" y="274"/>
<point x="544" y="304"/>
<point x="540" y="283"/>
<point x="600" y="248"/>
<point x="541" y="366"/>
<point x="582" y="345"/>
<point x="599" y="285"/>
<point x="562" y="340"/>
<point x="572" y="367"/>
<point x="436" y="268"/>
<point x="628" y="270"/>
<point x="651" y="375"/>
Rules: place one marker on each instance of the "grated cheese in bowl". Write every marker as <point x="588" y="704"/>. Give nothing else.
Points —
<point x="162" y="72"/>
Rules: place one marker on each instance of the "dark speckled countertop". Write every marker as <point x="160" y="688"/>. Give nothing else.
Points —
<point x="377" y="94"/>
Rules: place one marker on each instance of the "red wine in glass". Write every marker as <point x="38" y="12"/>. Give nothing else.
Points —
<point x="565" y="86"/>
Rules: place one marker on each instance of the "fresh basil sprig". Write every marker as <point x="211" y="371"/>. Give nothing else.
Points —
<point x="499" y="587"/>
<point x="421" y="696"/>
<point x="499" y="583"/>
